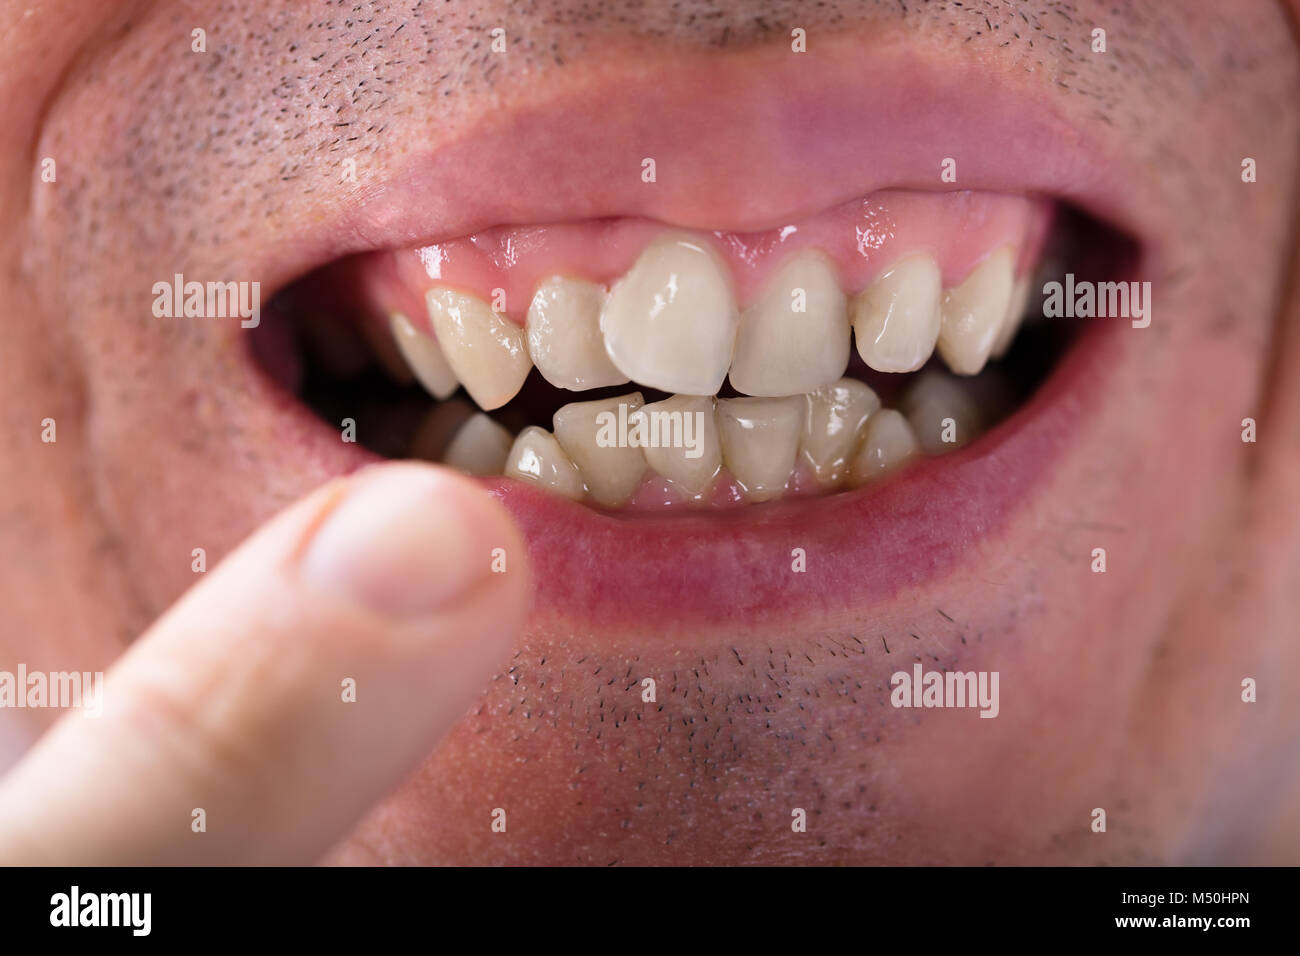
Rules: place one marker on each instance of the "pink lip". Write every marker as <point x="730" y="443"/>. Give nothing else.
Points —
<point x="741" y="142"/>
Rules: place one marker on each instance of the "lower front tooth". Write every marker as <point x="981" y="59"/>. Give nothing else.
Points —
<point x="973" y="313"/>
<point x="486" y="350"/>
<point x="682" y="441"/>
<point x="795" y="338"/>
<point x="480" y="447"/>
<point x="931" y="402"/>
<point x="423" y="355"/>
<point x="594" y="435"/>
<point x="833" y="417"/>
<point x="760" y="438"/>
<point x="896" y="318"/>
<point x="538" y="458"/>
<point x="887" y="441"/>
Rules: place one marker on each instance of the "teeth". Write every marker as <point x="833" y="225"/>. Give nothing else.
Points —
<point x="589" y="432"/>
<point x="481" y="447"/>
<point x="833" y="416"/>
<point x="563" y="329"/>
<point x="438" y="428"/>
<point x="670" y="323"/>
<point x="683" y="426"/>
<point x="780" y="351"/>
<point x="537" y="457"/>
<point x="1015" y="315"/>
<point x="973" y="313"/>
<point x="887" y="441"/>
<point x="424" y="357"/>
<point x="936" y="396"/>
<point x="760" y="437"/>
<point x="486" y="351"/>
<point x="896" y="319"/>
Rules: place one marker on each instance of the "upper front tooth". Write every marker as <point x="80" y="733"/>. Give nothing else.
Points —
<point x="937" y="396"/>
<point x="670" y="323"/>
<point x="480" y="447"/>
<point x="683" y="441"/>
<point x="563" y="328"/>
<point x="795" y="338"/>
<point x="486" y="350"/>
<point x="973" y="312"/>
<point x="896" y="318"/>
<point x="760" y="437"/>
<point x="590" y="433"/>
<point x="537" y="457"/>
<point x="833" y="416"/>
<point x="886" y="442"/>
<point x="422" y="353"/>
<point x="1015" y="315"/>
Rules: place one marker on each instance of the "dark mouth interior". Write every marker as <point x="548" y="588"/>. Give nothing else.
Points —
<point x="347" y="380"/>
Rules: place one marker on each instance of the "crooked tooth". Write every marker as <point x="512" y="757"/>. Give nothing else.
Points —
<point x="423" y="355"/>
<point x="760" y="438"/>
<point x="896" y="318"/>
<point x="973" y="312"/>
<point x="564" y="340"/>
<point x="537" y="457"/>
<point x="480" y="447"/>
<point x="887" y="441"/>
<point x="1015" y="315"/>
<point x="486" y="351"/>
<point x="670" y="323"/>
<point x="684" y="445"/>
<point x="795" y="338"/>
<point x="589" y="432"/>
<point x="436" y="430"/>
<point x="936" y="396"/>
<point x="833" y="417"/>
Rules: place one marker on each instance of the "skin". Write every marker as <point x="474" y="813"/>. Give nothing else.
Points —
<point x="1120" y="691"/>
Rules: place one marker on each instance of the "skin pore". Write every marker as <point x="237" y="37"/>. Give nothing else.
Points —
<point x="1119" y="690"/>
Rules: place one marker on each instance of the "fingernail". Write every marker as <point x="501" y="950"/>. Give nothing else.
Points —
<point x="406" y="540"/>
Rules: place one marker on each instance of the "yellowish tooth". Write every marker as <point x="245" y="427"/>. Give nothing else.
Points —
<point x="1015" y="315"/>
<point x="973" y="312"/>
<point x="760" y="438"/>
<point x="795" y="338"/>
<point x="423" y="355"/>
<point x="537" y="457"/>
<point x="685" y="446"/>
<point x="670" y="323"/>
<point x="438" y="427"/>
<point x="833" y="417"/>
<point x="480" y="447"/>
<point x="886" y="442"/>
<point x="896" y="318"/>
<point x="564" y="340"/>
<point x="591" y="433"/>
<point x="935" y="397"/>
<point x="486" y="351"/>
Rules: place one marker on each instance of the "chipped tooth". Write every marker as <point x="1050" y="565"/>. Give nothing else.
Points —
<point x="781" y="351"/>
<point x="537" y="457"/>
<point x="760" y="438"/>
<point x="590" y="432"/>
<point x="564" y="340"/>
<point x="833" y="417"/>
<point x="438" y="428"/>
<point x="887" y="441"/>
<point x="481" y="447"/>
<point x="1015" y="315"/>
<point x="896" y="318"/>
<point x="424" y="357"/>
<point x="486" y="351"/>
<point x="683" y="441"/>
<point x="670" y="322"/>
<point x="973" y="311"/>
<point x="937" y="396"/>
